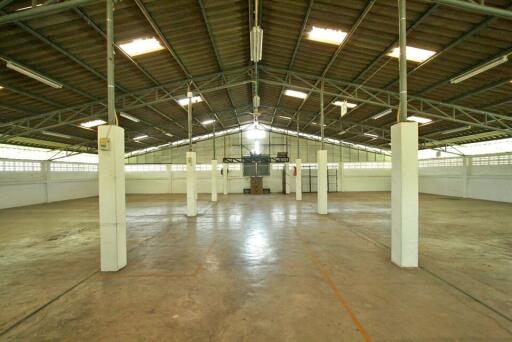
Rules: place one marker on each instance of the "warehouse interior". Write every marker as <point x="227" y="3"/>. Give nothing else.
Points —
<point x="255" y="170"/>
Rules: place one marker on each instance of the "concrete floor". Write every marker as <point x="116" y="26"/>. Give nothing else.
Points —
<point x="257" y="269"/>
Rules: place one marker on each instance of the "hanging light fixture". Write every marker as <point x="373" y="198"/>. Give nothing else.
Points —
<point x="256" y="36"/>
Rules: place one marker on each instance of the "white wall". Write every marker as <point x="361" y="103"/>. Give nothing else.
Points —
<point x="19" y="187"/>
<point x="486" y="177"/>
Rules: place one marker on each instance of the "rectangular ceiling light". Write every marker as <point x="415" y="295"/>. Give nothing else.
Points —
<point x="419" y="119"/>
<point x="413" y="54"/>
<point x="129" y="117"/>
<point x="169" y="134"/>
<point x="33" y="74"/>
<point x="58" y="135"/>
<point x="325" y="35"/>
<point x="207" y="122"/>
<point x="479" y="69"/>
<point x="371" y="135"/>
<point x="141" y="46"/>
<point x="285" y="117"/>
<point x="140" y="137"/>
<point x="340" y="103"/>
<point x="93" y="123"/>
<point x="295" y="93"/>
<point x="381" y="114"/>
<point x="184" y="101"/>
<point x="456" y="130"/>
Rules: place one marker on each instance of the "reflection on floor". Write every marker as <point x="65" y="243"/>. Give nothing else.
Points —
<point x="257" y="268"/>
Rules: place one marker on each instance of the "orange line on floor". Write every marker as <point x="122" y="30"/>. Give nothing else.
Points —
<point x="329" y="280"/>
<point x="200" y="266"/>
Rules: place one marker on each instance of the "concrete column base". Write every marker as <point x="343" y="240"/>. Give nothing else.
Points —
<point x="322" y="182"/>
<point x="112" y="198"/>
<point x="191" y="185"/>
<point x="214" y="181"/>
<point x="298" y="180"/>
<point x="404" y="194"/>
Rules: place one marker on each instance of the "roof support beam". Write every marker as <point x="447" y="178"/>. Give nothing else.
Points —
<point x="44" y="10"/>
<point x="474" y="7"/>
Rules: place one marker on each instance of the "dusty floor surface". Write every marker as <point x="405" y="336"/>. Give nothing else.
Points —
<point x="257" y="268"/>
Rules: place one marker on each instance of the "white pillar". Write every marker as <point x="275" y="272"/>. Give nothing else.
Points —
<point x="112" y="197"/>
<point x="191" y="184"/>
<point x="404" y="194"/>
<point x="298" y="180"/>
<point x="340" y="177"/>
<point x="321" y="158"/>
<point x="225" y="177"/>
<point x="466" y="164"/>
<point x="286" y="178"/>
<point x="214" y="181"/>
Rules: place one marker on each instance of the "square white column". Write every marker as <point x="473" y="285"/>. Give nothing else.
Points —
<point x="404" y="194"/>
<point x="191" y="184"/>
<point x="298" y="180"/>
<point x="321" y="158"/>
<point x="112" y="197"/>
<point x="340" y="177"/>
<point x="214" y="181"/>
<point x="286" y="178"/>
<point x="225" y="177"/>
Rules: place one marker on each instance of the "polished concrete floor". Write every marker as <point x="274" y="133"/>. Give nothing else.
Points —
<point x="257" y="268"/>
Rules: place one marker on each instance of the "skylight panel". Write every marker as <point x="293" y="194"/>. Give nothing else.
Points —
<point x="295" y="93"/>
<point x="413" y="54"/>
<point x="141" y="46"/>
<point x="328" y="36"/>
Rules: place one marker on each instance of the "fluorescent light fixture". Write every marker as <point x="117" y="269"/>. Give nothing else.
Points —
<point x="141" y="46"/>
<point x="285" y="117"/>
<point x="456" y="130"/>
<point x="1" y="87"/>
<point x="93" y="123"/>
<point x="295" y="93"/>
<point x="58" y="135"/>
<point x="419" y="119"/>
<point x="207" y="122"/>
<point x="28" y="7"/>
<point x="325" y="35"/>
<point x="184" y="101"/>
<point x="140" y="137"/>
<point x="129" y="117"/>
<point x="413" y="54"/>
<point x="340" y="103"/>
<point x="169" y="134"/>
<point x="479" y="69"/>
<point x="381" y="114"/>
<point x="371" y="135"/>
<point x="256" y="37"/>
<point x="342" y="132"/>
<point x="33" y="74"/>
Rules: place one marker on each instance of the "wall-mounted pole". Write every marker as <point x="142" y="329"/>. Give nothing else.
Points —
<point x="403" y="59"/>
<point x="213" y="139"/>
<point x="189" y="118"/>
<point x="111" y="104"/>
<point x="322" y="112"/>
<point x="298" y="139"/>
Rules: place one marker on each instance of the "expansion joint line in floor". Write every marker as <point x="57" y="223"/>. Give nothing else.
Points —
<point x="328" y="279"/>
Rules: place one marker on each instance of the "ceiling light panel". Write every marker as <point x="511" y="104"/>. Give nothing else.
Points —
<point x="295" y="93"/>
<point x="141" y="46"/>
<point x="340" y="103"/>
<point x="328" y="36"/>
<point x="184" y="101"/>
<point x="93" y="123"/>
<point x="413" y="54"/>
<point x="419" y="119"/>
